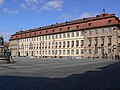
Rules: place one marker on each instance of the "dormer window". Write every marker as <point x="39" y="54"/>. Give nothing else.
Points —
<point x="89" y="24"/>
<point x="84" y="19"/>
<point x="77" y="26"/>
<point x="60" y="29"/>
<point x="40" y="32"/>
<point x="97" y="16"/>
<point x="109" y="21"/>
<point x="34" y="33"/>
<point x="66" y="22"/>
<point x="46" y="31"/>
<point x="52" y="25"/>
<point x="30" y="34"/>
<point x="21" y="35"/>
<point x="53" y="30"/>
<point x="68" y="28"/>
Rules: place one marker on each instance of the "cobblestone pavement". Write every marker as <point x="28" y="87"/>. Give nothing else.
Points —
<point x="60" y="74"/>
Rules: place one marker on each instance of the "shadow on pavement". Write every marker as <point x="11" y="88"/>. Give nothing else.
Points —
<point x="107" y="78"/>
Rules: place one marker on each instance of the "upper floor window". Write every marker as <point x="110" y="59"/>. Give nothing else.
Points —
<point x="64" y="35"/>
<point x="68" y="35"/>
<point x="60" y="36"/>
<point x="46" y="37"/>
<point x="56" y="36"/>
<point x="72" y="34"/>
<point x="109" y="29"/>
<point x="96" y="31"/>
<point x="52" y="36"/>
<point x="77" y="43"/>
<point x="49" y="37"/>
<point x="82" y="33"/>
<point x="77" y="34"/>
<point x="102" y="31"/>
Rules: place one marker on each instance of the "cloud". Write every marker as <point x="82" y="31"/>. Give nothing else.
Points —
<point x="10" y="11"/>
<point x="6" y="35"/>
<point x="53" y="5"/>
<point x="86" y="14"/>
<point x="1" y="2"/>
<point x="42" y="5"/>
<point x="33" y="5"/>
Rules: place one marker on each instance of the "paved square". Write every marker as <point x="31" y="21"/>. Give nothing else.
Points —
<point x="60" y="74"/>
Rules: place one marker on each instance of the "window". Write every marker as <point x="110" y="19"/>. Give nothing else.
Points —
<point x="96" y="50"/>
<point x="49" y="52"/>
<point x="43" y="38"/>
<point x="77" y="51"/>
<point x="109" y="21"/>
<point x="77" y="43"/>
<point x="96" y="31"/>
<point x="109" y="29"/>
<point x="72" y="43"/>
<point x="59" y="44"/>
<point x="102" y="40"/>
<point x="68" y="43"/>
<point x="64" y="52"/>
<point x="60" y="36"/>
<point x="68" y="35"/>
<point x="60" y="29"/>
<point x="72" y="52"/>
<point x="52" y="36"/>
<point x="56" y="44"/>
<point x="89" y="24"/>
<point x="77" y="26"/>
<point x="64" y="44"/>
<point x="109" y="40"/>
<point x="109" y="50"/>
<point x="53" y="52"/>
<point x="89" y="51"/>
<point x="82" y="42"/>
<point x="56" y="36"/>
<point x="77" y="34"/>
<point x="82" y="51"/>
<point x="96" y="41"/>
<point x="102" y="31"/>
<point x="64" y="35"/>
<point x="68" y="51"/>
<point x="68" y="28"/>
<point x="82" y="33"/>
<point x="46" y="37"/>
<point x="73" y="34"/>
<point x="49" y="37"/>
<point x="60" y="52"/>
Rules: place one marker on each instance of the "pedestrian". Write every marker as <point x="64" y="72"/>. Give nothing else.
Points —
<point x="11" y="59"/>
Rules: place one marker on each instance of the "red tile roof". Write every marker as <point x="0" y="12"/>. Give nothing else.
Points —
<point x="80" y="24"/>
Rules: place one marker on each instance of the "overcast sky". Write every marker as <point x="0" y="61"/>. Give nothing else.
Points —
<point x="27" y="14"/>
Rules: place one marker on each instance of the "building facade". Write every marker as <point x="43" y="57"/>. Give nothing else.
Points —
<point x="93" y="37"/>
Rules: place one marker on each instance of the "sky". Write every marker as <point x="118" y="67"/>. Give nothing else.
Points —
<point x="28" y="14"/>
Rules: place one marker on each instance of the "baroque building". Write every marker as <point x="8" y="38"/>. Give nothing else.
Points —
<point x="83" y="38"/>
